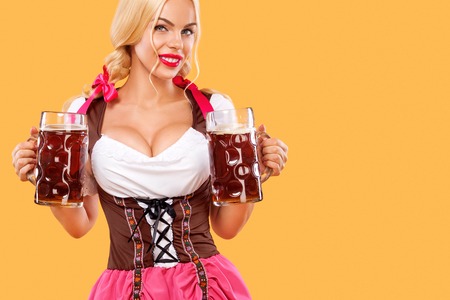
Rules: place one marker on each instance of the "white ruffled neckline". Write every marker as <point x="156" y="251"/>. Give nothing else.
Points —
<point x="119" y="151"/>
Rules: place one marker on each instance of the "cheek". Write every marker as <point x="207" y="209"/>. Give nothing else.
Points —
<point x="158" y="42"/>
<point x="144" y="50"/>
<point x="188" y="47"/>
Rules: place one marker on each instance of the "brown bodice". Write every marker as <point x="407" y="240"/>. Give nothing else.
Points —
<point x="130" y="232"/>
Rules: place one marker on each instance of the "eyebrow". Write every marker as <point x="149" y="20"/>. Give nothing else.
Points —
<point x="171" y="24"/>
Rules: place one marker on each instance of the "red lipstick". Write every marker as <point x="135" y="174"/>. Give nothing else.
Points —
<point x="171" y="60"/>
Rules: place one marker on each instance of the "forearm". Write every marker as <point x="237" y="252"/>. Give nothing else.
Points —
<point x="77" y="221"/>
<point x="228" y="221"/>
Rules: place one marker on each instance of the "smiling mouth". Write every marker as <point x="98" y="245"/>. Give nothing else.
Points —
<point x="171" y="61"/>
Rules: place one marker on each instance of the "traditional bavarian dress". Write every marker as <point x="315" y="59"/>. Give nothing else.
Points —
<point x="157" y="209"/>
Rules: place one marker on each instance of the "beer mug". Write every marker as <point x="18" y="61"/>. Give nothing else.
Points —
<point x="61" y="158"/>
<point x="236" y="172"/>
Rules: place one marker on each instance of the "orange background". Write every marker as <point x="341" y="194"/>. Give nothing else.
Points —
<point x="359" y="90"/>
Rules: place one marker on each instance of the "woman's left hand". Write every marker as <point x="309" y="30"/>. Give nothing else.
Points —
<point x="274" y="153"/>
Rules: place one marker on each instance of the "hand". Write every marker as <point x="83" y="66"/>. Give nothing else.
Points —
<point x="274" y="153"/>
<point x="24" y="156"/>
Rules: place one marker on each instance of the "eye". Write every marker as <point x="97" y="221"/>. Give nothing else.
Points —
<point x="160" y="28"/>
<point x="187" y="31"/>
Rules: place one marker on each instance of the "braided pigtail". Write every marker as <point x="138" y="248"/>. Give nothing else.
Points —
<point x="118" y="64"/>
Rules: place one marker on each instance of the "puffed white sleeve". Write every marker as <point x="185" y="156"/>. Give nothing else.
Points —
<point x="89" y="183"/>
<point x="219" y="102"/>
<point x="76" y="104"/>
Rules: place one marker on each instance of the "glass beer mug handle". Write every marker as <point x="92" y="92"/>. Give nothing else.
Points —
<point x="260" y="136"/>
<point x="30" y="175"/>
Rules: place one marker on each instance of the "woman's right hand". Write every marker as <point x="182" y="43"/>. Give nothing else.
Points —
<point x="24" y="155"/>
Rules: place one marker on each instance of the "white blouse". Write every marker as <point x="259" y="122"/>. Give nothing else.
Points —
<point x="125" y="172"/>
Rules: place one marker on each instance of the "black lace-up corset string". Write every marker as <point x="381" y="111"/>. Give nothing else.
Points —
<point x="156" y="208"/>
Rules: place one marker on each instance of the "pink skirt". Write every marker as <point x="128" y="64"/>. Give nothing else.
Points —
<point x="177" y="283"/>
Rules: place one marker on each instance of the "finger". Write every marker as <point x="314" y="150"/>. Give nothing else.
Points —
<point x="14" y="152"/>
<point x="283" y="146"/>
<point x="23" y="172"/>
<point x="23" y="162"/>
<point x="275" y="157"/>
<point x="275" y="142"/>
<point x="262" y="128"/>
<point x="28" y="145"/>
<point x="275" y="162"/>
<point x="275" y="150"/>
<point x="34" y="132"/>
<point x="23" y="153"/>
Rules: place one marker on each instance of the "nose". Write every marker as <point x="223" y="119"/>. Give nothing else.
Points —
<point x="176" y="41"/>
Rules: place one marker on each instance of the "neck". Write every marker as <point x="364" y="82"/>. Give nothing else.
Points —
<point x="142" y="88"/>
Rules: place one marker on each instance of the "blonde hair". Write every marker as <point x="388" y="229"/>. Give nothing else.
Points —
<point x="131" y="19"/>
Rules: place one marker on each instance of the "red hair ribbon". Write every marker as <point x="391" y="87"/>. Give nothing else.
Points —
<point x="199" y="97"/>
<point x="100" y="84"/>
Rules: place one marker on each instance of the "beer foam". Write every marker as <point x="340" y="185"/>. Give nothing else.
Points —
<point x="64" y="127"/>
<point x="231" y="129"/>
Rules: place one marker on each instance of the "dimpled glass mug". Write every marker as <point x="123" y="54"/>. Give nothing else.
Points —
<point x="236" y="175"/>
<point x="61" y="158"/>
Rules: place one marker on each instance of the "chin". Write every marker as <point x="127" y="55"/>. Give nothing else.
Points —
<point x="165" y="75"/>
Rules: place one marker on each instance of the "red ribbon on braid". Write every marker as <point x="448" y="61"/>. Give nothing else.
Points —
<point x="199" y="97"/>
<point x="101" y="84"/>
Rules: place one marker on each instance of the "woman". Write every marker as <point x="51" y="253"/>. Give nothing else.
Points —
<point x="149" y="164"/>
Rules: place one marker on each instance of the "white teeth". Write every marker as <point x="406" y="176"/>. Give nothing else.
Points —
<point x="170" y="60"/>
